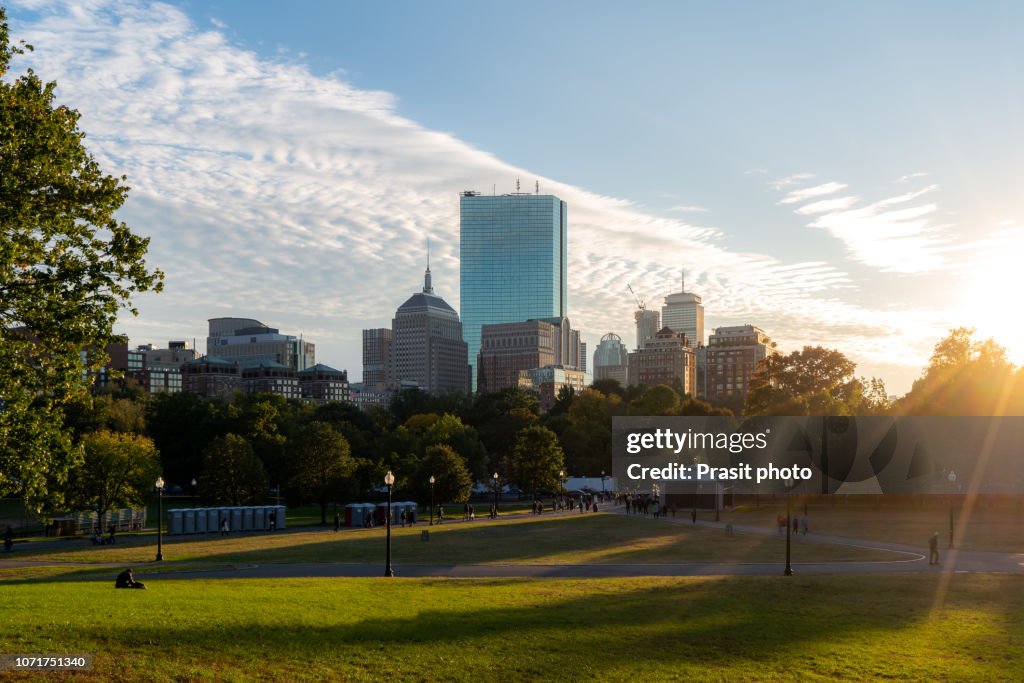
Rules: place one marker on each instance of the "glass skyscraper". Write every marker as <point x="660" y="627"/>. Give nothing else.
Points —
<point x="513" y="253"/>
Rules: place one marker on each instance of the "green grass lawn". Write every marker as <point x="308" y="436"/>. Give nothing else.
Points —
<point x="899" y="520"/>
<point x="554" y="539"/>
<point x="823" y="628"/>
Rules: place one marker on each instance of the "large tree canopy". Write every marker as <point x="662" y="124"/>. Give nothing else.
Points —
<point x="67" y="266"/>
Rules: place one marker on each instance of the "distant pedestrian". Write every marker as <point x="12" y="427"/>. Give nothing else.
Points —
<point x="804" y="523"/>
<point x="113" y="532"/>
<point x="465" y="511"/>
<point x="693" y="516"/>
<point x="472" y="514"/>
<point x="933" y="548"/>
<point x="627" y="505"/>
<point x="8" y="539"/>
<point x="224" y="529"/>
<point x="403" y="517"/>
<point x="273" y="520"/>
<point x="337" y="522"/>
<point x="440" y="514"/>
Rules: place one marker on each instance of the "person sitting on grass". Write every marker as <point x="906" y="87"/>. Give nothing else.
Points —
<point x="126" y="579"/>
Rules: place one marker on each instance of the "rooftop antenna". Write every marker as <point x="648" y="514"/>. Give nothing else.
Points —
<point x="494" y="189"/>
<point x="517" y="185"/>
<point x="536" y="187"/>
<point x="684" y="282"/>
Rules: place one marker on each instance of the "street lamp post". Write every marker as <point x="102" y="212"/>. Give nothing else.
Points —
<point x="159" y="519"/>
<point x="789" y="529"/>
<point x="718" y="490"/>
<point x="952" y="481"/>
<point x="432" y="480"/>
<point x="389" y="480"/>
<point x="495" y="495"/>
<point x="602" y="484"/>
<point x="194" y="504"/>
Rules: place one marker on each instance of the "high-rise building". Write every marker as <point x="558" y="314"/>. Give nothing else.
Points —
<point x="666" y="359"/>
<point x="507" y="349"/>
<point x="378" y="373"/>
<point x="427" y="343"/>
<point x="732" y="355"/>
<point x="513" y="260"/>
<point x="611" y="359"/>
<point x="250" y="342"/>
<point x="683" y="312"/>
<point x="647" y="325"/>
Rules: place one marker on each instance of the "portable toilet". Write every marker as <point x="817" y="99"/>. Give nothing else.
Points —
<point x="350" y="515"/>
<point x="213" y="517"/>
<point x="174" y="521"/>
<point x="259" y="518"/>
<point x="189" y="522"/>
<point x="200" y="520"/>
<point x="281" y="511"/>
<point x="247" y="519"/>
<point x="236" y="519"/>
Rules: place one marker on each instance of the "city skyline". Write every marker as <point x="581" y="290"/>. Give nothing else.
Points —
<point x="880" y="214"/>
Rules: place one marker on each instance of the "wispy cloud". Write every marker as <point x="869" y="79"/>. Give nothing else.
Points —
<point x="895" y="234"/>
<point x="794" y="179"/>
<point x="301" y="200"/>
<point x="806" y="193"/>
<point x="684" y="208"/>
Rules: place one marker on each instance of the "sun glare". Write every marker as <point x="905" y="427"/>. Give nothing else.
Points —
<point x="991" y="305"/>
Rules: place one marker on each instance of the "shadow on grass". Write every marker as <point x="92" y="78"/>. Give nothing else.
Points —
<point x="669" y="625"/>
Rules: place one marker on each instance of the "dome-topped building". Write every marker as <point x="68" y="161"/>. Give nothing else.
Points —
<point x="427" y="343"/>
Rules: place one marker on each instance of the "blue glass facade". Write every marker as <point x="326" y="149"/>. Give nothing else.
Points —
<point x="513" y="254"/>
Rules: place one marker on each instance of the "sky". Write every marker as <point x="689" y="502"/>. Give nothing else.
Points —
<point x="839" y="174"/>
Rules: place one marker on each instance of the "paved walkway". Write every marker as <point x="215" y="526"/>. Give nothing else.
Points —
<point x="907" y="559"/>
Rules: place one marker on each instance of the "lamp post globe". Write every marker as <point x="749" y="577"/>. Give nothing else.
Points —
<point x="194" y="482"/>
<point x="160" y="519"/>
<point x="389" y="481"/>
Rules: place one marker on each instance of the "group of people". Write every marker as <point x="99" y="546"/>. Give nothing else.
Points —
<point x="800" y="524"/>
<point x="645" y="505"/>
<point x="100" y="539"/>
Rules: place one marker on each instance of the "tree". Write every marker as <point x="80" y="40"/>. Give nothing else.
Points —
<point x="660" y="399"/>
<point x="812" y="381"/>
<point x="537" y="460"/>
<point x="117" y="470"/>
<point x="321" y="462"/>
<point x="966" y="377"/>
<point x="232" y="474"/>
<point x="452" y="479"/>
<point x="67" y="267"/>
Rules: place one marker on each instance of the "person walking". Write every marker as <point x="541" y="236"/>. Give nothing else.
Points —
<point x="933" y="549"/>
<point x="804" y="523"/>
<point x="273" y="520"/>
<point x="337" y="521"/>
<point x="8" y="539"/>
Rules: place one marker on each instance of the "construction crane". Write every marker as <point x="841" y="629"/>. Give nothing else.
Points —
<point x="640" y="304"/>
